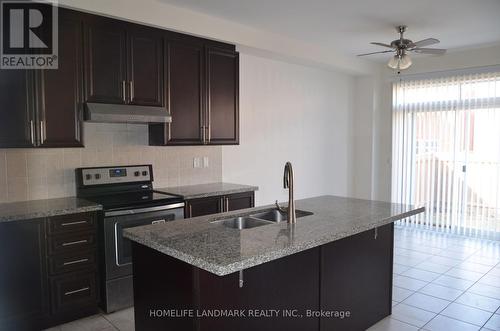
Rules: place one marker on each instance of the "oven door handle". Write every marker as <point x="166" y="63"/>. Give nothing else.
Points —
<point x="117" y="258"/>
<point x="143" y="210"/>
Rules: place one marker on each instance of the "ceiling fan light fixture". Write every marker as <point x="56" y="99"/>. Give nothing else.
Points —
<point x="399" y="62"/>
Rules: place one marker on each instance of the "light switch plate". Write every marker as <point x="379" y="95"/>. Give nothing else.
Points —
<point x="205" y="162"/>
<point x="196" y="162"/>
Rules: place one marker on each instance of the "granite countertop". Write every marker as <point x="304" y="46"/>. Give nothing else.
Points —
<point x="207" y="190"/>
<point x="222" y="250"/>
<point x="24" y="210"/>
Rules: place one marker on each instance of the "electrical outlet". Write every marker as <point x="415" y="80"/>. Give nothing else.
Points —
<point x="196" y="162"/>
<point x="205" y="162"/>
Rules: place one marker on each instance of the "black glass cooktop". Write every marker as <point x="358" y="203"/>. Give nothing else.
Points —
<point x="135" y="199"/>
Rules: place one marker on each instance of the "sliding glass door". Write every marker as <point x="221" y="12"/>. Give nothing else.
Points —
<point x="446" y="151"/>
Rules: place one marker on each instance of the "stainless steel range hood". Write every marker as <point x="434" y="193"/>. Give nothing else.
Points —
<point x="109" y="113"/>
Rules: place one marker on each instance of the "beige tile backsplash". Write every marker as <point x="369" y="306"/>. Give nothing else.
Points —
<point x="28" y="174"/>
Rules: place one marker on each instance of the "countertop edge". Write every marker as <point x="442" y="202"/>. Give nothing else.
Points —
<point x="51" y="213"/>
<point x="223" y="270"/>
<point x="181" y="190"/>
<point x="214" y="194"/>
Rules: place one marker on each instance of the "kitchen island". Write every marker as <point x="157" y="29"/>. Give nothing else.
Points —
<point x="332" y="270"/>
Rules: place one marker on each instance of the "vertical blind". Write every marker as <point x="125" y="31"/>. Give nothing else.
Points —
<point x="446" y="151"/>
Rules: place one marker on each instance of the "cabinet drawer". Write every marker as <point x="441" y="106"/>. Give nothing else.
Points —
<point x="71" y="223"/>
<point x="72" y="262"/>
<point x="68" y="243"/>
<point x="73" y="290"/>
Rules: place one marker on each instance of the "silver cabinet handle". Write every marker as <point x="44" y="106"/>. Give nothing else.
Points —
<point x="77" y="291"/>
<point x="124" y="92"/>
<point x="375" y="234"/>
<point x="32" y="132"/>
<point x="75" y="242"/>
<point x="227" y="204"/>
<point x="208" y="126"/>
<point x="131" y="87"/>
<point x="73" y="223"/>
<point x="209" y="120"/>
<point x="42" y="131"/>
<point x="75" y="262"/>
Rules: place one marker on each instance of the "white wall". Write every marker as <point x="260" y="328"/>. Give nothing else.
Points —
<point x="362" y="136"/>
<point x="292" y="113"/>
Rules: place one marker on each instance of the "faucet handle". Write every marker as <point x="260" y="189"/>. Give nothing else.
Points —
<point x="281" y="209"/>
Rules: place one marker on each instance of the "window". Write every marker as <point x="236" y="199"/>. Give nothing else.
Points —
<point x="446" y="151"/>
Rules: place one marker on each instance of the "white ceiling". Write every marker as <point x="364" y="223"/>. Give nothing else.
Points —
<point x="349" y="25"/>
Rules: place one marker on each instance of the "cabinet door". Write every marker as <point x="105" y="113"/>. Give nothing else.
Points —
<point x="203" y="206"/>
<point x="145" y="69"/>
<point x="60" y="91"/>
<point x="24" y="300"/>
<point x="239" y="201"/>
<point x="185" y="68"/>
<point x="17" y="127"/>
<point x="222" y="104"/>
<point x="105" y="62"/>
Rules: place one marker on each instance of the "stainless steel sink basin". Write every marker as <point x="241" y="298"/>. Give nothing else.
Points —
<point x="274" y="215"/>
<point x="243" y="222"/>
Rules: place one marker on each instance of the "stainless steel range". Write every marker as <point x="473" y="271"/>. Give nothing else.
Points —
<point x="128" y="199"/>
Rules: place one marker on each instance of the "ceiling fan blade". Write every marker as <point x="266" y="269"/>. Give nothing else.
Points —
<point x="437" y="51"/>
<point x="381" y="44"/>
<point x="425" y="42"/>
<point x="375" y="53"/>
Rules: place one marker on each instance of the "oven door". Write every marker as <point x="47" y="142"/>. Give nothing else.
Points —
<point x="118" y="249"/>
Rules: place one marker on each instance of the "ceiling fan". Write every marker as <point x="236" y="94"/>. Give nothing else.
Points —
<point x="401" y="60"/>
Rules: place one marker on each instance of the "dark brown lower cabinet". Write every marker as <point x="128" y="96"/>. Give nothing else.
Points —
<point x="219" y="204"/>
<point x="203" y="206"/>
<point x="239" y="201"/>
<point x="222" y="97"/>
<point x="42" y="286"/>
<point x="351" y="278"/>
<point x="23" y="276"/>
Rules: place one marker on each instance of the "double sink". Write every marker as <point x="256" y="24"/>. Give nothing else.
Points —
<point x="259" y="219"/>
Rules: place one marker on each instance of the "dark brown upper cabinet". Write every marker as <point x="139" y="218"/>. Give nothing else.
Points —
<point x="222" y="97"/>
<point x="60" y="107"/>
<point x="202" y="85"/>
<point x="42" y="108"/>
<point x="123" y="63"/>
<point x="105" y="61"/>
<point x="185" y="68"/>
<point x="145" y="66"/>
<point x="17" y="115"/>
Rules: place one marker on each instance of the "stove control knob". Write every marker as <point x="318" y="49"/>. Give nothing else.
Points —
<point x="97" y="176"/>
<point x="88" y="176"/>
<point x="144" y="173"/>
<point x="137" y="173"/>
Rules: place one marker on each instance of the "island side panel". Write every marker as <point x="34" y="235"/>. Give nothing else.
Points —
<point x="286" y="284"/>
<point x="356" y="275"/>
<point x="162" y="283"/>
<point x="165" y="283"/>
